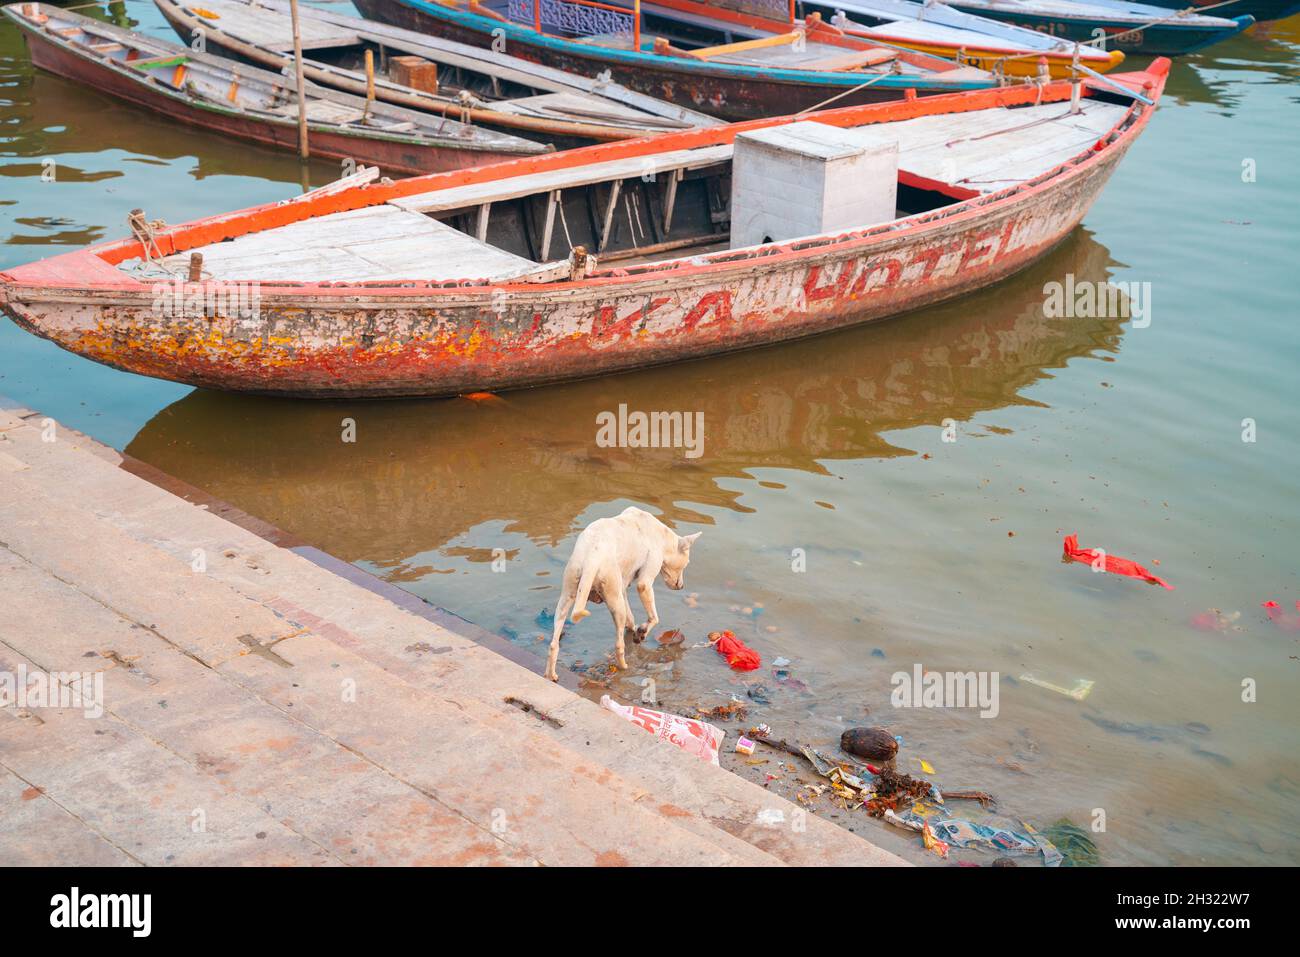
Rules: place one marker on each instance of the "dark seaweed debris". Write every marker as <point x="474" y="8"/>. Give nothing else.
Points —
<point x="892" y="789"/>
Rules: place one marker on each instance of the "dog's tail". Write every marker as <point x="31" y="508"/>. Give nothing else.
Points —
<point x="585" y="584"/>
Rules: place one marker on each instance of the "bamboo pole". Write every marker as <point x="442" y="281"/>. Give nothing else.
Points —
<point x="303" y="151"/>
<point x="370" y="84"/>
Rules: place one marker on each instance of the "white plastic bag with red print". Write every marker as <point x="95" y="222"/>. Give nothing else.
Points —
<point x="693" y="737"/>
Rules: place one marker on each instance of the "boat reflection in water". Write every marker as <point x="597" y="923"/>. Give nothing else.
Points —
<point x="422" y="473"/>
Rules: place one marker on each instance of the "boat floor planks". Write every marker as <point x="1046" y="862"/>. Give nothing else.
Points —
<point x="265" y="28"/>
<point x="362" y="245"/>
<point x="994" y="149"/>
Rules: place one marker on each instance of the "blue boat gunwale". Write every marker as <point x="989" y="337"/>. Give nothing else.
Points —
<point x="530" y="37"/>
<point x="1170" y="27"/>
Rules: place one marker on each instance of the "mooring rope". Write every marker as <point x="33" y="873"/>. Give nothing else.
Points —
<point x="146" y="231"/>
<point x="863" y="86"/>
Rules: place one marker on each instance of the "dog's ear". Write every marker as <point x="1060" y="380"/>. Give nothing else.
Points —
<point x="684" y="542"/>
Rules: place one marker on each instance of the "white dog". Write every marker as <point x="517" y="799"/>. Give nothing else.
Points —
<point x="609" y="555"/>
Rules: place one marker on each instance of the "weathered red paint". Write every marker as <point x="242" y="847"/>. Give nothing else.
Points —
<point x="421" y="338"/>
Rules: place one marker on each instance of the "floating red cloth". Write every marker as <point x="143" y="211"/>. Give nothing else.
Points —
<point x="1280" y="618"/>
<point x="1110" y="563"/>
<point x="738" y="655"/>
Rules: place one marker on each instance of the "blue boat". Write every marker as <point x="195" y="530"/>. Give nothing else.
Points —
<point x="1261" y="10"/>
<point x="1131" y="27"/>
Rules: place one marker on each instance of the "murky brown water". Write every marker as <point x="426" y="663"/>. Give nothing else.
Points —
<point x="917" y="550"/>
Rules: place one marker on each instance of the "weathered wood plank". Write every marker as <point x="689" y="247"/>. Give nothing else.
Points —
<point x="516" y="186"/>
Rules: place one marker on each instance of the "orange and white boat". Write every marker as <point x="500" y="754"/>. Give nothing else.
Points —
<point x="601" y="259"/>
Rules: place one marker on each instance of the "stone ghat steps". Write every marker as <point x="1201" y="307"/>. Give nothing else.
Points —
<point x="266" y="710"/>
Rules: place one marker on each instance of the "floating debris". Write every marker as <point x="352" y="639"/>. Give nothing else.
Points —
<point x="738" y="654"/>
<point x="875" y="744"/>
<point x="1082" y="687"/>
<point x="1101" y="561"/>
<point x="1076" y="846"/>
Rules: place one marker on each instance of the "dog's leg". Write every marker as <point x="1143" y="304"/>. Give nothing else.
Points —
<point x="616" y="601"/>
<point x="645" y="589"/>
<point x="567" y="595"/>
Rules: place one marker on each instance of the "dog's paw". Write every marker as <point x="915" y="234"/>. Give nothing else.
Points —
<point x="642" y="632"/>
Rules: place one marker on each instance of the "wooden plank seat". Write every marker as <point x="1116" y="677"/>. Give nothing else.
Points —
<point x="361" y="245"/>
<point x="475" y="194"/>
<point x="266" y="27"/>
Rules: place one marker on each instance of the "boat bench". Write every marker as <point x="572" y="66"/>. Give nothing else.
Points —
<point x="373" y="244"/>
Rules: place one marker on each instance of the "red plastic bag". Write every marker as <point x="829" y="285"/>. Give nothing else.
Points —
<point x="1110" y="563"/>
<point x="1280" y="618"/>
<point x="738" y="655"/>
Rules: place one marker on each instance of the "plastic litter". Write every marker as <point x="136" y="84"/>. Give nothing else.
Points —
<point x="1082" y="686"/>
<point x="738" y="654"/>
<point x="1110" y="563"/>
<point x="932" y="843"/>
<point x="745" y="746"/>
<point x="1075" y="844"/>
<point x="694" y="737"/>
<point x="1215" y="620"/>
<point x="1283" y="620"/>
<point x="962" y="833"/>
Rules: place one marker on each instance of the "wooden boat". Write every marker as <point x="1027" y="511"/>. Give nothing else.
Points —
<point x="464" y="82"/>
<point x="751" y="80"/>
<point x="1134" y="27"/>
<point x="251" y="104"/>
<point x="458" y="282"/>
<point x="1001" y="48"/>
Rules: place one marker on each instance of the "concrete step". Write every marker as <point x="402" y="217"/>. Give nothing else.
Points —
<point x="513" y="786"/>
<point x="180" y="717"/>
<point x="324" y="626"/>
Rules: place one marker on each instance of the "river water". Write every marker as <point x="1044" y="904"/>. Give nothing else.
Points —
<point x="840" y="529"/>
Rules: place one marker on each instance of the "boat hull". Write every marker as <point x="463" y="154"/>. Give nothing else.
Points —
<point x="1165" y="39"/>
<point x="1261" y="10"/>
<point x="388" y="155"/>
<point x="1059" y="66"/>
<point x="447" y="342"/>
<point x="731" y="94"/>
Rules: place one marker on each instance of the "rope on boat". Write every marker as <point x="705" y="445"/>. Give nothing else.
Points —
<point x="1198" y="11"/>
<point x="862" y="86"/>
<point x="146" y="231"/>
<point x="468" y="102"/>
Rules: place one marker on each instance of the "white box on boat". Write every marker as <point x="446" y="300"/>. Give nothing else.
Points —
<point x="807" y="178"/>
